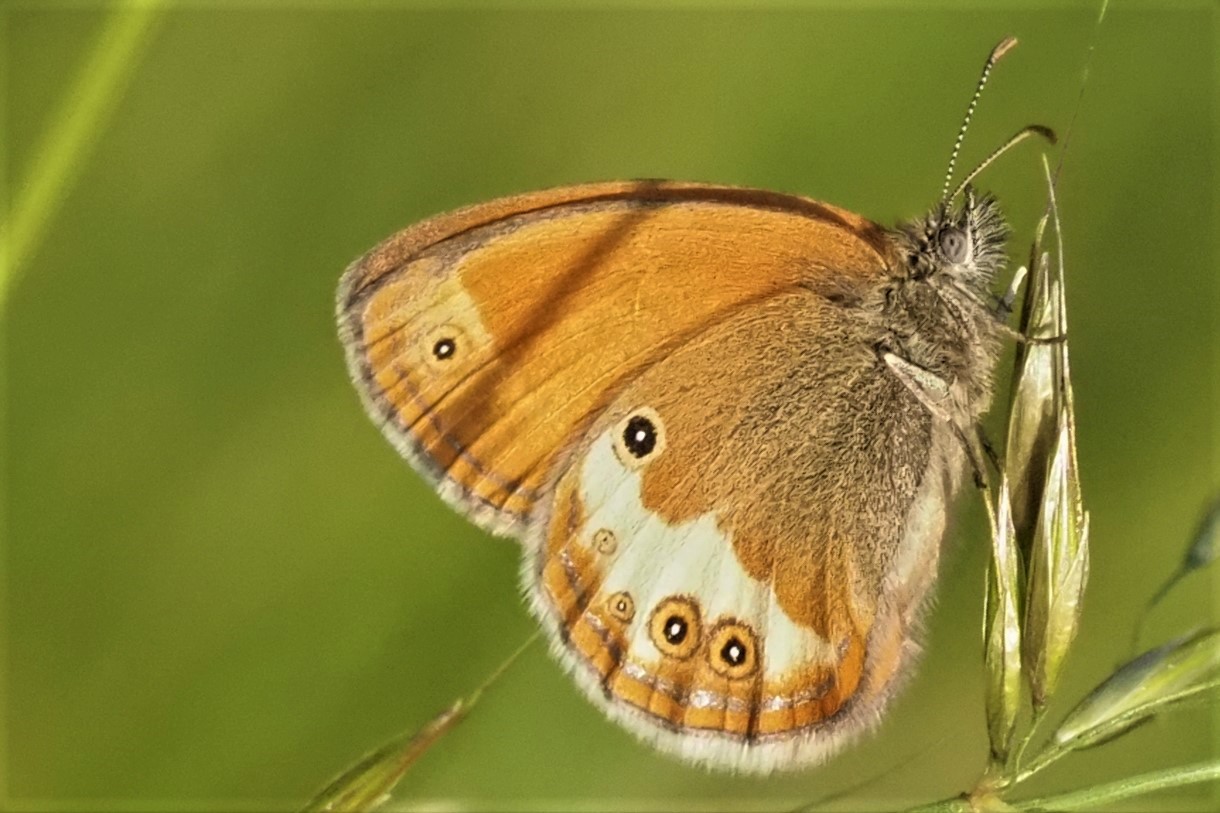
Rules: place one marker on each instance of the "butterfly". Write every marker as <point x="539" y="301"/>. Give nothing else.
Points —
<point x="725" y="425"/>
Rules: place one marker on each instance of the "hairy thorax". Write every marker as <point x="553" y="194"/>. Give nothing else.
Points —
<point x="946" y="333"/>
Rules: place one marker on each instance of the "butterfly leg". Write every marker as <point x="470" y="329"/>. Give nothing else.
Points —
<point x="989" y="449"/>
<point x="972" y="443"/>
<point x="1003" y="307"/>
<point x="931" y="390"/>
<point x="1025" y="338"/>
<point x="937" y="397"/>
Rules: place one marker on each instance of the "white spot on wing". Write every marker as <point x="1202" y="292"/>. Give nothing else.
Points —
<point x="695" y="558"/>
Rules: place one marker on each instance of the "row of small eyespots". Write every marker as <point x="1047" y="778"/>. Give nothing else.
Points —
<point x="677" y="631"/>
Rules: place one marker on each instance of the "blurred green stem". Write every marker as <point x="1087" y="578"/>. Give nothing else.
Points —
<point x="81" y="116"/>
<point x="1054" y="751"/>
<point x="1039" y="714"/>
<point x="1080" y="799"/>
<point x="1125" y="788"/>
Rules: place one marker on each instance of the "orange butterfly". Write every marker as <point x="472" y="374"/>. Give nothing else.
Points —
<point x="724" y="423"/>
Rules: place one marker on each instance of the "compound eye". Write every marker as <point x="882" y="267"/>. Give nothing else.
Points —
<point x="953" y="245"/>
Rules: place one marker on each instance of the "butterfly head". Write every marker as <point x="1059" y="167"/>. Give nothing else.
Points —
<point x="964" y="243"/>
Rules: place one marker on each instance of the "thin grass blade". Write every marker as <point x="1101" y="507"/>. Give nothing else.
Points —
<point x="1180" y="671"/>
<point x="368" y="783"/>
<point x="1203" y="550"/>
<point x="1103" y="796"/>
<point x="83" y="113"/>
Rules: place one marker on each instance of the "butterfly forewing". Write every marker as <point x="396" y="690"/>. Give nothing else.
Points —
<point x="485" y="340"/>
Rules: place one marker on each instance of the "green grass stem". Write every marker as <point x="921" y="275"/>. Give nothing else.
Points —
<point x="81" y="117"/>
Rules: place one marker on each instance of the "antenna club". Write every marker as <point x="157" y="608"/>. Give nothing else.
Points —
<point x="1045" y="132"/>
<point x="1005" y="45"/>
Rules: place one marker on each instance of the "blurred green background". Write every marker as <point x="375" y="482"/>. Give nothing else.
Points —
<point x="221" y="584"/>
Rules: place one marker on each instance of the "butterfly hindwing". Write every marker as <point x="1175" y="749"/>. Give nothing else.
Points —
<point x="699" y="566"/>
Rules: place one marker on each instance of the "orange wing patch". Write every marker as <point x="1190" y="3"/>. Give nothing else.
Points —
<point x="484" y="341"/>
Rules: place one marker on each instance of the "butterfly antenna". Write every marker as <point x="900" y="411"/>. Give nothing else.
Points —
<point x="1006" y="45"/>
<point x="1022" y="134"/>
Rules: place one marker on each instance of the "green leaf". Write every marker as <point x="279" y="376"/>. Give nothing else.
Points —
<point x="1002" y="632"/>
<point x="1139" y="689"/>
